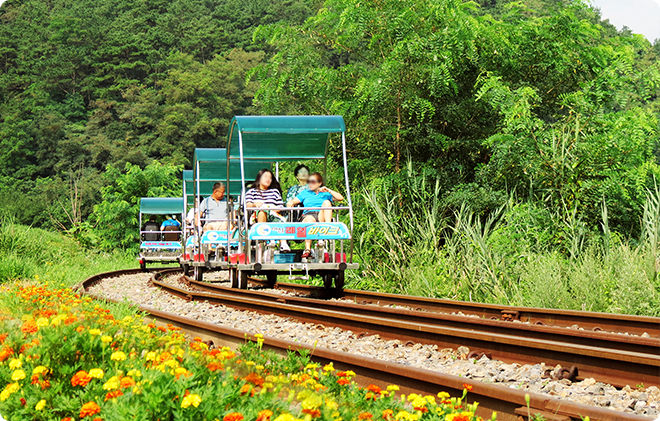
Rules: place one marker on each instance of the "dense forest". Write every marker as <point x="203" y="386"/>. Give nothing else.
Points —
<point x="491" y="143"/>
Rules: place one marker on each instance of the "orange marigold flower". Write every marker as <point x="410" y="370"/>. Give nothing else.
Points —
<point x="254" y="378"/>
<point x="467" y="387"/>
<point x="23" y="401"/>
<point x="388" y="414"/>
<point x="234" y="416"/>
<point x="89" y="409"/>
<point x="45" y="384"/>
<point x="126" y="382"/>
<point x="315" y="413"/>
<point x="373" y="388"/>
<point x="365" y="416"/>
<point x="81" y="378"/>
<point x="343" y="382"/>
<point x="461" y="417"/>
<point x="3" y="337"/>
<point x="29" y="327"/>
<point x="247" y="388"/>
<point x="215" y="366"/>
<point x="5" y="353"/>
<point x="113" y="394"/>
<point x="80" y="328"/>
<point x="67" y="419"/>
<point x="264" y="415"/>
<point x="34" y="379"/>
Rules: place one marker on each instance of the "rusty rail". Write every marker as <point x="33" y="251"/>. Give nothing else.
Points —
<point x="509" y="403"/>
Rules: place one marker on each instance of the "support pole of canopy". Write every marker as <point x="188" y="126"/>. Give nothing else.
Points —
<point x="245" y="214"/>
<point x="197" y="214"/>
<point x="348" y="188"/>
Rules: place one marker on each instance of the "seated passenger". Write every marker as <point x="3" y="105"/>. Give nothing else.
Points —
<point x="266" y="193"/>
<point x="302" y="174"/>
<point x="170" y="222"/>
<point x="317" y="196"/>
<point x="214" y="209"/>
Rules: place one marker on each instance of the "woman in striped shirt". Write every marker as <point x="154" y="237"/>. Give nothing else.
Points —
<point x="266" y="193"/>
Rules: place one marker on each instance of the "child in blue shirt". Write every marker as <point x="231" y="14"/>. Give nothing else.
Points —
<point x="317" y="195"/>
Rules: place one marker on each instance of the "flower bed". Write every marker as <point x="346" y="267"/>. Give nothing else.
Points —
<point x="66" y="357"/>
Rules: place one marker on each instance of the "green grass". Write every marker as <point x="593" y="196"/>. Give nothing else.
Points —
<point x="42" y="255"/>
<point x="521" y="254"/>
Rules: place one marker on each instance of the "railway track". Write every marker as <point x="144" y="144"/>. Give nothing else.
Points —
<point x="605" y="356"/>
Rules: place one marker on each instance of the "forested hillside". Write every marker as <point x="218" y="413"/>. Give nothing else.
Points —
<point x="490" y="142"/>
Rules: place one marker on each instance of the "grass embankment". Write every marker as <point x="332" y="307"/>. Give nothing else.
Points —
<point x="33" y="253"/>
<point x="67" y="357"/>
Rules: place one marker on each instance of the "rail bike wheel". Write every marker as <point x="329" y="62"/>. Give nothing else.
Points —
<point x="198" y="272"/>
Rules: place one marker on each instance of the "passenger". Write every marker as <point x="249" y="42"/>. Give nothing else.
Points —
<point x="171" y="221"/>
<point x="318" y="195"/>
<point x="214" y="209"/>
<point x="302" y="174"/>
<point x="266" y="193"/>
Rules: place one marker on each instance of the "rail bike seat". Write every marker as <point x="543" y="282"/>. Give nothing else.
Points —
<point x="299" y="231"/>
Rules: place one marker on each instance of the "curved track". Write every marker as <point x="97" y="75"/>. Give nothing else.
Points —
<point x="616" y="357"/>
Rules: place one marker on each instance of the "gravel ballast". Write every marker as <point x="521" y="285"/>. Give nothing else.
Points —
<point x="531" y="378"/>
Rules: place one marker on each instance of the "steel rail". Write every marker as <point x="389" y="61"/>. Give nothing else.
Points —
<point x="616" y="367"/>
<point x="509" y="403"/>
<point x="578" y="337"/>
<point x="587" y="320"/>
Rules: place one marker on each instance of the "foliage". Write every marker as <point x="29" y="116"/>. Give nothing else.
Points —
<point x="63" y="355"/>
<point x="116" y="217"/>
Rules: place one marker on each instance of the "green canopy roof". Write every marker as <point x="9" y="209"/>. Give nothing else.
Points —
<point x="283" y="137"/>
<point x="161" y="205"/>
<point x="213" y="168"/>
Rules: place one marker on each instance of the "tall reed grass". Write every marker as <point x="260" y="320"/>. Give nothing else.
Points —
<point x="411" y="242"/>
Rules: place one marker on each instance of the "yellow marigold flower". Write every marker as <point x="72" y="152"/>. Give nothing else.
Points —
<point x="118" y="356"/>
<point x="418" y="401"/>
<point x="13" y="387"/>
<point x="180" y="370"/>
<point x="311" y="365"/>
<point x="259" y="336"/>
<point x="331" y="404"/>
<point x="96" y="373"/>
<point x="127" y="319"/>
<point x="106" y="339"/>
<point x="350" y="373"/>
<point x="39" y="370"/>
<point x="285" y="417"/>
<point x="95" y="332"/>
<point x="111" y="384"/>
<point x="312" y="402"/>
<point x="40" y="405"/>
<point x="18" y="375"/>
<point x="15" y="363"/>
<point x="259" y="367"/>
<point x="249" y="363"/>
<point x="172" y="363"/>
<point x="430" y="399"/>
<point x="328" y="367"/>
<point x="4" y="395"/>
<point x="42" y="322"/>
<point x="406" y="416"/>
<point x="267" y="385"/>
<point x="443" y="395"/>
<point x="57" y="320"/>
<point x="150" y="356"/>
<point x="392" y="388"/>
<point x="193" y="400"/>
<point x="134" y="373"/>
